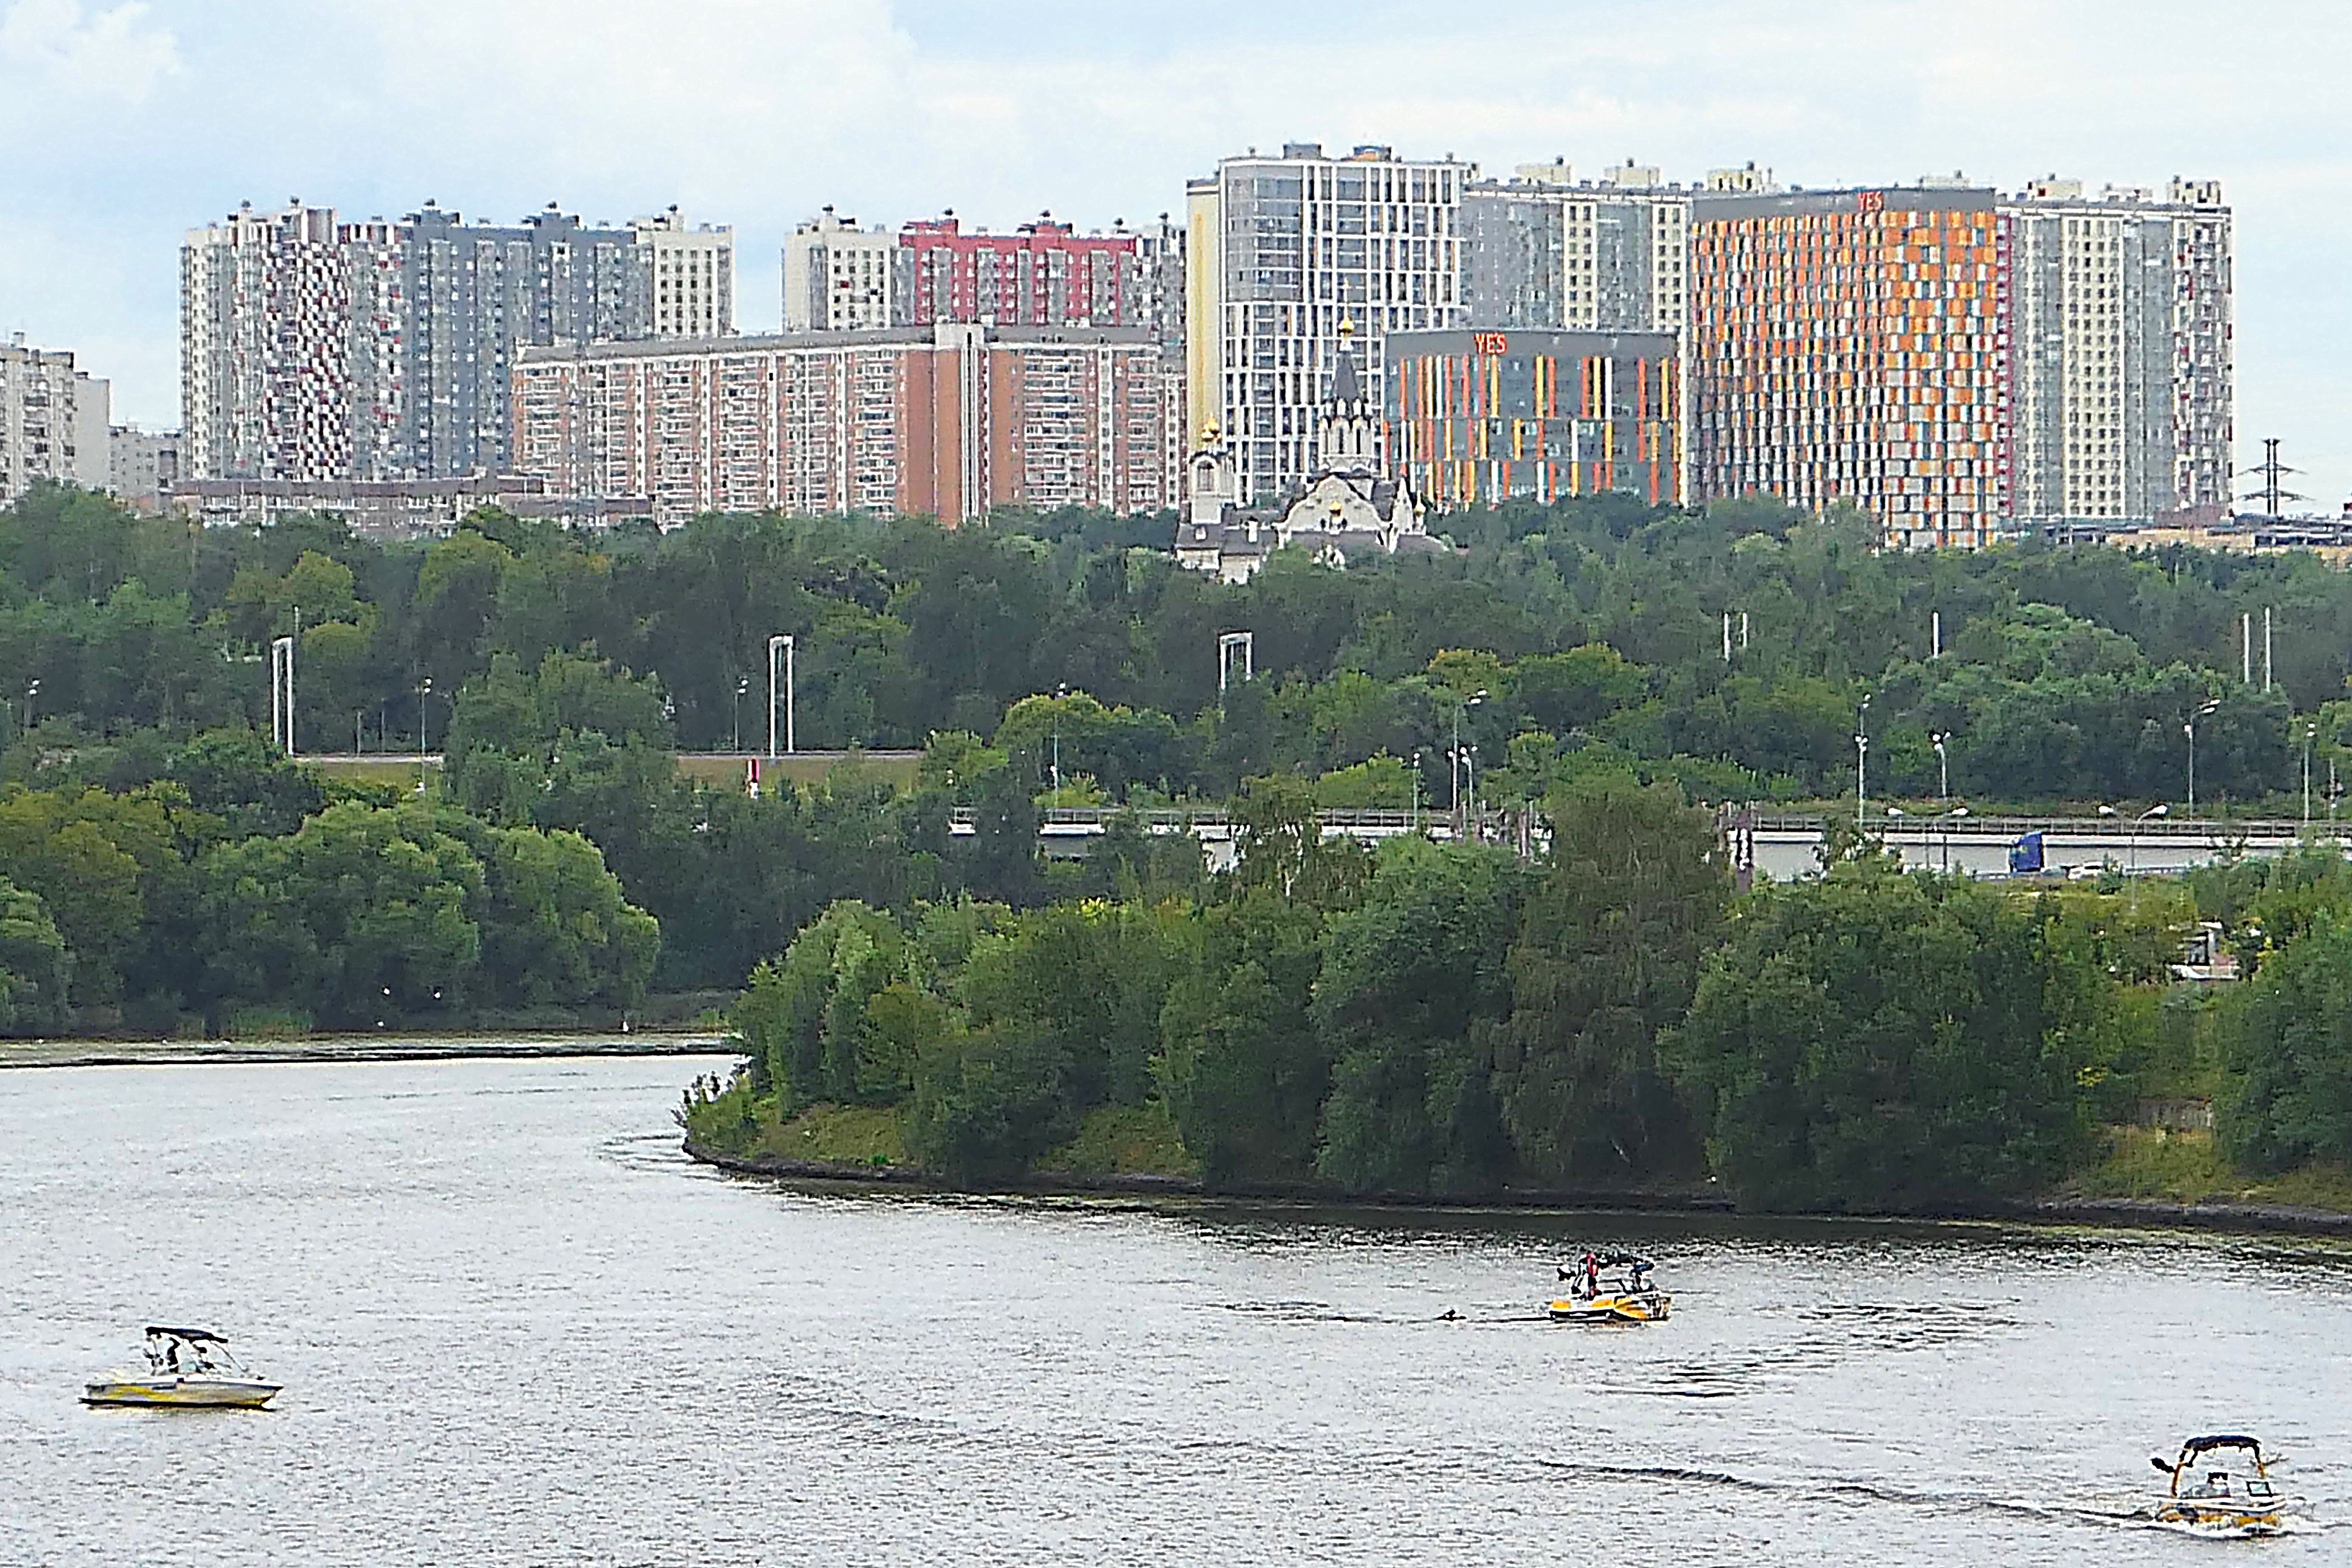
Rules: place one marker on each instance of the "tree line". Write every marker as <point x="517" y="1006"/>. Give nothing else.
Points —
<point x="1437" y="1018"/>
<point x="1582" y="636"/>
<point x="235" y="889"/>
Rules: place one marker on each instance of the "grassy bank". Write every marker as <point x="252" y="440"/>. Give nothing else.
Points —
<point x="2188" y="1167"/>
<point x="2143" y="1175"/>
<point x="1112" y="1139"/>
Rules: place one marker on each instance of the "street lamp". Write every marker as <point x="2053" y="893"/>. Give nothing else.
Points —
<point x="1464" y="762"/>
<point x="2310" y="733"/>
<point x="742" y="686"/>
<point x="30" y="692"/>
<point x="1461" y="706"/>
<point x="1060" y="692"/>
<point x="2189" y="728"/>
<point x="781" y="643"/>
<point x="1943" y="770"/>
<point x="2158" y="809"/>
<point x="1414" y="821"/>
<point x="423" y="690"/>
<point x="1861" y="759"/>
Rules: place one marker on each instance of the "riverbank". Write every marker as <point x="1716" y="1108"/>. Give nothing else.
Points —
<point x="352" y="1048"/>
<point x="2132" y="1213"/>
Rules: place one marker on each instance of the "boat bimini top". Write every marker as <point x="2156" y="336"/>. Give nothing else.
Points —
<point x="2196" y="1448"/>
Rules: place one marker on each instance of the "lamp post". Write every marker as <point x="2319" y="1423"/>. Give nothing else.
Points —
<point x="1060" y="692"/>
<point x="1461" y="706"/>
<point x="1464" y="762"/>
<point x="1861" y="759"/>
<point x="742" y="686"/>
<point x="2158" y="809"/>
<point x="1414" y="821"/>
<point x="281" y="694"/>
<point x="423" y="690"/>
<point x="2310" y="733"/>
<point x="782" y="644"/>
<point x="30" y="692"/>
<point x="2189" y="728"/>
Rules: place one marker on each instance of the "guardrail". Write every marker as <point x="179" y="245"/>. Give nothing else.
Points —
<point x="2199" y="829"/>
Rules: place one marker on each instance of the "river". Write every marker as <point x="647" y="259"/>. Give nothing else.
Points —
<point x="517" y="1327"/>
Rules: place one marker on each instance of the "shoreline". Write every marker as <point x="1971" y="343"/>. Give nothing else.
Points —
<point x="2104" y="1214"/>
<point x="488" y="1045"/>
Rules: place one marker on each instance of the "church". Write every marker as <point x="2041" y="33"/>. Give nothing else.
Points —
<point x="1349" y="508"/>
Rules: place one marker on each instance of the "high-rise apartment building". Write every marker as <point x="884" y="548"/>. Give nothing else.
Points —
<point x="53" y="421"/>
<point x="947" y="420"/>
<point x="1278" y="252"/>
<point x="285" y="346"/>
<point x="467" y="294"/>
<point x="315" y="349"/>
<point x="1547" y="252"/>
<point x="2120" y="347"/>
<point x="839" y="277"/>
<point x="1853" y="346"/>
<point x="688" y="274"/>
<point x="1043" y="274"/>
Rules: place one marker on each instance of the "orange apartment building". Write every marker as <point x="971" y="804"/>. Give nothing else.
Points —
<point x="947" y="421"/>
<point x="1855" y="346"/>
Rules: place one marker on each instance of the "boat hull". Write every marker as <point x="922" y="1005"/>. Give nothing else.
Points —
<point x="182" y="1392"/>
<point x="2222" y="1517"/>
<point x="1645" y="1307"/>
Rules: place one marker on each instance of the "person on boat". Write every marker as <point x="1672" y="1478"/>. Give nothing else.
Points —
<point x="1592" y="1275"/>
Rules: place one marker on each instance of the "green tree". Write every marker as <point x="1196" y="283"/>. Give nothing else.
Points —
<point x="1240" y="1065"/>
<point x="1633" y="898"/>
<point x="35" y="965"/>
<point x="1413" y="987"/>
<point x="2289" y="1050"/>
<point x="1881" y="1041"/>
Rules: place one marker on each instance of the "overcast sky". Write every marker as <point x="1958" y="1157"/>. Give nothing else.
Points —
<point x="121" y="125"/>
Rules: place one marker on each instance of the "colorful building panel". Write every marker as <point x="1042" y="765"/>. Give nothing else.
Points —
<point x="1855" y="346"/>
<point x="1478" y="418"/>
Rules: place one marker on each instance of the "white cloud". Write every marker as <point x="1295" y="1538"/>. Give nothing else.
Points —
<point x="107" y="53"/>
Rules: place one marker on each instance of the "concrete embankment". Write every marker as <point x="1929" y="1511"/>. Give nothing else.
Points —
<point x="349" y="1049"/>
<point x="2104" y="1213"/>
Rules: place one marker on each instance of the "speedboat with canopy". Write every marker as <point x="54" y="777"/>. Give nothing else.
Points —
<point x="1610" y="1287"/>
<point x="185" y="1368"/>
<point x="2210" y="1501"/>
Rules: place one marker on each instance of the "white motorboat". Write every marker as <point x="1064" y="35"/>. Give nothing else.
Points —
<point x="186" y="1368"/>
<point x="2213" y="1502"/>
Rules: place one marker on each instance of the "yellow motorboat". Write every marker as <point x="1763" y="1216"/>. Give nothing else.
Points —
<point x="186" y="1369"/>
<point x="2216" y="1503"/>
<point x="1613" y="1288"/>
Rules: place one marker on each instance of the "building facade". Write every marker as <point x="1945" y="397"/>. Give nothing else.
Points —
<point x="1479" y="417"/>
<point x="1281" y="251"/>
<point x="316" y="349"/>
<point x="1043" y="274"/>
<point x="1853" y="346"/>
<point x="2121" y="346"/>
<point x="839" y="277"/>
<point x="687" y="273"/>
<point x="1545" y="251"/>
<point x="142" y="465"/>
<point x="53" y="421"/>
<point x="393" y="509"/>
<point x="947" y="421"/>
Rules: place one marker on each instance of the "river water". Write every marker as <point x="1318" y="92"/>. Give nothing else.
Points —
<point x="517" y="1327"/>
